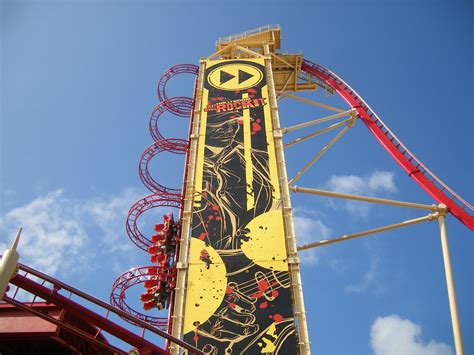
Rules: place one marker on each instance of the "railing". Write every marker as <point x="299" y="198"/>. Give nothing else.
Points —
<point x="53" y="293"/>
<point x="235" y="37"/>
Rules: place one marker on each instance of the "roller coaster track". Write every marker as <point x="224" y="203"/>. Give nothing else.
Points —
<point x="129" y="279"/>
<point x="416" y="170"/>
<point x="160" y="197"/>
<point x="176" y="146"/>
<point x="50" y="289"/>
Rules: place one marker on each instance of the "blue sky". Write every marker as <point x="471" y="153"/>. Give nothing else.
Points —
<point x="78" y="82"/>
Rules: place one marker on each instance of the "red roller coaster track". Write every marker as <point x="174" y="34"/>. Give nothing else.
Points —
<point x="50" y="289"/>
<point x="456" y="205"/>
<point x="176" y="146"/>
<point x="129" y="279"/>
<point x="161" y="196"/>
<point x="180" y="110"/>
<point x="180" y="103"/>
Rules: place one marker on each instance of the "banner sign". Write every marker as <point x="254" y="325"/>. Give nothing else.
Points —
<point x="238" y="297"/>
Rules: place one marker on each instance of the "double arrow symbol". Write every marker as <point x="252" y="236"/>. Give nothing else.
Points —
<point x="243" y="76"/>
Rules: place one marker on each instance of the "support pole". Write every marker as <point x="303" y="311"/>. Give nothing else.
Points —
<point x="319" y="155"/>
<point x="9" y="264"/>
<point x="363" y="198"/>
<point x="453" y="307"/>
<point x="248" y="51"/>
<point x="293" y="260"/>
<point x="184" y="242"/>
<point x="314" y="103"/>
<point x="350" y="112"/>
<point x="410" y="222"/>
<point x="317" y="133"/>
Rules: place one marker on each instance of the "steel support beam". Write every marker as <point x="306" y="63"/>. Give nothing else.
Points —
<point x="409" y="222"/>
<point x="363" y="198"/>
<point x="248" y="51"/>
<point x="319" y="155"/>
<point x="453" y="307"/>
<point x="293" y="260"/>
<point x="314" y="103"/>
<point x="350" y="112"/>
<point x="317" y="133"/>
<point x="186" y="220"/>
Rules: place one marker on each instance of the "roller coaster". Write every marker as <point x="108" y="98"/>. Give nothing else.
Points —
<point x="235" y="183"/>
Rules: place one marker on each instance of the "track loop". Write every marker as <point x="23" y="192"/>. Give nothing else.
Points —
<point x="181" y="104"/>
<point x="127" y="280"/>
<point x="161" y="196"/>
<point x="160" y="199"/>
<point x="172" y="145"/>
<point x="167" y="75"/>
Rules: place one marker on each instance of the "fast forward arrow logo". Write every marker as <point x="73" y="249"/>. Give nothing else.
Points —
<point x="242" y="76"/>
<point x="235" y="77"/>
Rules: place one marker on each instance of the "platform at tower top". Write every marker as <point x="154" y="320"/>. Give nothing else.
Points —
<point x="250" y="44"/>
<point x="255" y="38"/>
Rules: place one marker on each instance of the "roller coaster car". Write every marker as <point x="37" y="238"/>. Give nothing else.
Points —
<point x="162" y="277"/>
<point x="158" y="295"/>
<point x="167" y="234"/>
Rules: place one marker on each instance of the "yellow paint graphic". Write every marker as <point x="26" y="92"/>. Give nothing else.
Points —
<point x="234" y="77"/>
<point x="206" y="286"/>
<point x="266" y="244"/>
<point x="248" y="157"/>
<point x="200" y="152"/>
<point x="272" y="165"/>
<point x="270" y="340"/>
<point x="238" y="297"/>
<point x="268" y="346"/>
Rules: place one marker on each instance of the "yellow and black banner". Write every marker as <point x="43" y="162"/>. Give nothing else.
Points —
<point x="238" y="297"/>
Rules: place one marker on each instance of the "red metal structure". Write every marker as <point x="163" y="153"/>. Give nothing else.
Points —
<point x="75" y="327"/>
<point x="158" y="279"/>
<point x="41" y="323"/>
<point x="437" y="189"/>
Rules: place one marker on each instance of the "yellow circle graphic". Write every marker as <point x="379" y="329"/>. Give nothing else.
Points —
<point x="233" y="77"/>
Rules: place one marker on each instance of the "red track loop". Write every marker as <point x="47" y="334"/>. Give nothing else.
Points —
<point x="457" y="206"/>
<point x="167" y="75"/>
<point x="177" y="146"/>
<point x="160" y="199"/>
<point x="181" y="104"/>
<point x="118" y="298"/>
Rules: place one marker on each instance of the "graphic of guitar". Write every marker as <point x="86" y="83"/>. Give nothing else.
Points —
<point x="224" y="310"/>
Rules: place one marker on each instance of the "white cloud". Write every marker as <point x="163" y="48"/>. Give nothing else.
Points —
<point x="347" y="183"/>
<point x="392" y="335"/>
<point x="52" y="235"/>
<point x="108" y="214"/>
<point x="369" y="278"/>
<point x="382" y="181"/>
<point x="307" y="230"/>
<point x="61" y="236"/>
<point x="376" y="183"/>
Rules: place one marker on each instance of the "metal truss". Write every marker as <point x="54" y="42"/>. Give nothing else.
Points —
<point x="61" y="294"/>
<point x="438" y="212"/>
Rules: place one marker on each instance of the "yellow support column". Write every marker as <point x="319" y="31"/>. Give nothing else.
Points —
<point x="293" y="259"/>
<point x="182" y="263"/>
